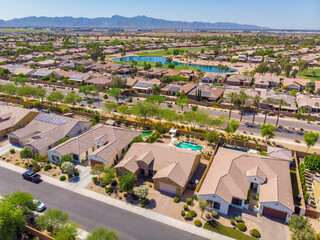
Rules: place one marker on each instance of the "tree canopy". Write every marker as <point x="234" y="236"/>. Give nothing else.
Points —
<point x="102" y="234"/>
<point x="127" y="182"/>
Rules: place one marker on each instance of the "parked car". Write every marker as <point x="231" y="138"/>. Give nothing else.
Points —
<point x="31" y="176"/>
<point x="40" y="205"/>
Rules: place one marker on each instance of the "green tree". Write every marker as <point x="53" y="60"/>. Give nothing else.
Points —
<point x="110" y="106"/>
<point x="256" y="103"/>
<point x="12" y="221"/>
<point x="171" y="116"/>
<point x="156" y="99"/>
<point x="97" y="169"/>
<point x="293" y="92"/>
<point x="122" y="109"/>
<point x="67" y="167"/>
<point x="233" y="96"/>
<point x="142" y="191"/>
<point x="115" y="93"/>
<point x="21" y="200"/>
<point x="55" y="96"/>
<point x="81" y="68"/>
<point x="300" y="228"/>
<point x="53" y="220"/>
<point x="26" y="153"/>
<point x="310" y="138"/>
<point x="87" y="89"/>
<point x="268" y="102"/>
<point x="66" y="158"/>
<point x="72" y="98"/>
<point x="203" y="205"/>
<point x="267" y="131"/>
<point x="232" y="127"/>
<point x="127" y="182"/>
<point x="118" y="82"/>
<point x="182" y="102"/>
<point x="102" y="234"/>
<point x="312" y="162"/>
<point x="156" y="89"/>
<point x="287" y="69"/>
<point x="143" y="110"/>
<point x="212" y="137"/>
<point x="20" y="80"/>
<point x="311" y="86"/>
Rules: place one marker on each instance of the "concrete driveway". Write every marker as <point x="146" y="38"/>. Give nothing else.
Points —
<point x="269" y="228"/>
<point x="7" y="146"/>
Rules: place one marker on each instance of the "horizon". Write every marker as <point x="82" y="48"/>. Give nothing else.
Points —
<point x="289" y="15"/>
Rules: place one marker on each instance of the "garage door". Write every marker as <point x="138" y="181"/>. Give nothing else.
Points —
<point x="167" y="188"/>
<point x="274" y="213"/>
<point x="14" y="140"/>
<point x="93" y="162"/>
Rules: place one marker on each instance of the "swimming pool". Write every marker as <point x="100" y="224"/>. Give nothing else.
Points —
<point x="146" y="133"/>
<point x="189" y="145"/>
<point x="235" y="148"/>
<point x="164" y="62"/>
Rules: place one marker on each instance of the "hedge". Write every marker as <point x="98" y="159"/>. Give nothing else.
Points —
<point x="198" y="223"/>
<point x="241" y="226"/>
<point x="255" y="233"/>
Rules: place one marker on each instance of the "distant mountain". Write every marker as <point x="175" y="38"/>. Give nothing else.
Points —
<point x="139" y="22"/>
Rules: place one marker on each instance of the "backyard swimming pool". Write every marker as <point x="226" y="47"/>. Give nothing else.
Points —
<point x="190" y="145"/>
<point x="163" y="61"/>
<point x="146" y="133"/>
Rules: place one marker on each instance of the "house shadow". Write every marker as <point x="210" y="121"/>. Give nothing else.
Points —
<point x="75" y="179"/>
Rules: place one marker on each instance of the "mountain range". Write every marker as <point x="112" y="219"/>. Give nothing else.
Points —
<point x="139" y="22"/>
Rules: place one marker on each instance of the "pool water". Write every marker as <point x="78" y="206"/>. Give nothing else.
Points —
<point x="189" y="145"/>
<point x="146" y="133"/>
<point x="163" y="61"/>
<point x="235" y="148"/>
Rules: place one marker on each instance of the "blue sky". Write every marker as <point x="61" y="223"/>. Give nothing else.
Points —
<point x="286" y="14"/>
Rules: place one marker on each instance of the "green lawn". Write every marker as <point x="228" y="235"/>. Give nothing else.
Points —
<point x="162" y="53"/>
<point x="180" y="67"/>
<point x="295" y="189"/>
<point x="227" y="231"/>
<point x="307" y="74"/>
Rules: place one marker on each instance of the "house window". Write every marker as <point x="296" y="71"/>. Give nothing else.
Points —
<point x="216" y="205"/>
<point x="75" y="157"/>
<point x="236" y="201"/>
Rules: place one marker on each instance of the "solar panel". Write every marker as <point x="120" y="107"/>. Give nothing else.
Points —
<point x="144" y="84"/>
<point x="50" y="119"/>
<point x="174" y="89"/>
<point x="77" y="76"/>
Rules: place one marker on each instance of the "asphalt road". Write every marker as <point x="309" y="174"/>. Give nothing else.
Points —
<point x="90" y="213"/>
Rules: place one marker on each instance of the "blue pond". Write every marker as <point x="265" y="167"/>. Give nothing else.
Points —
<point x="163" y="61"/>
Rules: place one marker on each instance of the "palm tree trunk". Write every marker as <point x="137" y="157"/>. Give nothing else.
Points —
<point x="230" y="113"/>
<point x="265" y="118"/>
<point x="254" y="116"/>
<point x="241" y="113"/>
<point x="278" y="116"/>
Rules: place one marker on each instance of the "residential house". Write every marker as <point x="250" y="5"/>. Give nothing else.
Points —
<point x="110" y="144"/>
<point x="173" y="88"/>
<point x="255" y="59"/>
<point x="290" y="103"/>
<point x="45" y="131"/>
<point x="46" y="63"/>
<point x="41" y="73"/>
<point x="295" y="83"/>
<point x="206" y="93"/>
<point x="111" y="140"/>
<point x="250" y="92"/>
<point x="102" y="81"/>
<point x="145" y="86"/>
<point x="170" y="168"/>
<point x="266" y="82"/>
<point x="239" y="80"/>
<point x="311" y="103"/>
<point x="316" y="191"/>
<point x="211" y="77"/>
<point x="233" y="174"/>
<point x="13" y="118"/>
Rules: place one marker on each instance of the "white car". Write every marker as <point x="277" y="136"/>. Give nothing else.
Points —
<point x="40" y="205"/>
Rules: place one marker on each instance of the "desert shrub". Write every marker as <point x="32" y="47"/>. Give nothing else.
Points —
<point x="238" y="219"/>
<point x="103" y="185"/>
<point x="120" y="197"/>
<point x="185" y="207"/>
<point x="256" y="197"/>
<point x="198" y="223"/>
<point x="63" y="178"/>
<point x="70" y="175"/>
<point x="233" y="222"/>
<point x="114" y="182"/>
<point x="12" y="151"/>
<point x="17" y="163"/>
<point x="183" y="213"/>
<point x="195" y="197"/>
<point x="109" y="190"/>
<point x="76" y="173"/>
<point x="47" y="167"/>
<point x="146" y="201"/>
<point x="36" y="168"/>
<point x="94" y="179"/>
<point x="176" y="199"/>
<point x="189" y="201"/>
<point x="241" y="226"/>
<point x="187" y="216"/>
<point x="135" y="197"/>
<point x="214" y="214"/>
<point x="255" y="233"/>
<point x="25" y="166"/>
<point x="193" y="213"/>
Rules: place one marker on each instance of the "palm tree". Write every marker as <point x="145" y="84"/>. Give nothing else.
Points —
<point x="243" y="98"/>
<point x="233" y="96"/>
<point x="281" y="103"/>
<point x="256" y="104"/>
<point x="268" y="102"/>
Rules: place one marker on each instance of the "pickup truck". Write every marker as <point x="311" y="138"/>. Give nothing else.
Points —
<point x="31" y="176"/>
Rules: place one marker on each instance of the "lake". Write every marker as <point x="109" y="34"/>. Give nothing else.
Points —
<point x="163" y="61"/>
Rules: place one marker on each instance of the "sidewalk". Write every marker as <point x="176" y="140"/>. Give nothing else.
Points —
<point x="125" y="206"/>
